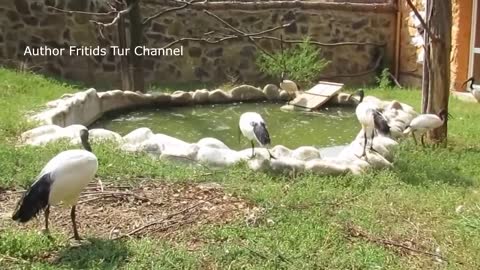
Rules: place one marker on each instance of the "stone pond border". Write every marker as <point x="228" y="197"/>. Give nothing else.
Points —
<point x="65" y="116"/>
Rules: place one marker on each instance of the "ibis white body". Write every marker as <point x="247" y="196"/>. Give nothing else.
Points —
<point x="364" y="112"/>
<point x="71" y="171"/>
<point x="476" y="94"/>
<point x="289" y="86"/>
<point x="423" y="123"/>
<point x="247" y="124"/>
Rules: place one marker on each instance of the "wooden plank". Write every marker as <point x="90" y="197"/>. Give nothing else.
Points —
<point x="317" y="95"/>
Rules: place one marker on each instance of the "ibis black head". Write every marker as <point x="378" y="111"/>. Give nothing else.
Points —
<point x="472" y="82"/>
<point x="84" y="135"/>
<point x="360" y="93"/>
<point x="443" y="114"/>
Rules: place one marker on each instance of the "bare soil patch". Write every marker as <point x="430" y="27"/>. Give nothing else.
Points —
<point x="154" y="210"/>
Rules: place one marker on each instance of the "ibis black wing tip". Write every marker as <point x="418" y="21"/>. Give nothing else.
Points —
<point x="34" y="200"/>
<point x="381" y="123"/>
<point x="261" y="133"/>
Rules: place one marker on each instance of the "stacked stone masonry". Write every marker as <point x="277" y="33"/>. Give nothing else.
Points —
<point x="32" y="23"/>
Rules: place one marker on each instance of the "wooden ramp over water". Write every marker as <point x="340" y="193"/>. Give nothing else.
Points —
<point x="317" y="95"/>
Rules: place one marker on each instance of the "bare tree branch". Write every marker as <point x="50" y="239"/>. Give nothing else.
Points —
<point x="323" y="44"/>
<point x="83" y="12"/>
<point x="117" y="17"/>
<point x="422" y="21"/>
<point x="184" y="5"/>
<point x="247" y="35"/>
<point x="114" y="11"/>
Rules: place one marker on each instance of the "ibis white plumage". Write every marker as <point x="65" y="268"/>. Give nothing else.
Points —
<point x="372" y="120"/>
<point x="425" y="122"/>
<point x="474" y="91"/>
<point x="253" y="127"/>
<point x="60" y="181"/>
<point x="288" y="85"/>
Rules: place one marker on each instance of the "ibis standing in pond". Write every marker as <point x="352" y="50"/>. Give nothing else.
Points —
<point x="372" y="121"/>
<point x="253" y="128"/>
<point x="425" y="122"/>
<point x="61" y="181"/>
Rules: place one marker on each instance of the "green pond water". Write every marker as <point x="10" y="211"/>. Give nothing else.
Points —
<point x="330" y="127"/>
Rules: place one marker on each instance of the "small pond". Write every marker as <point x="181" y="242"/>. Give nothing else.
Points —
<point x="330" y="127"/>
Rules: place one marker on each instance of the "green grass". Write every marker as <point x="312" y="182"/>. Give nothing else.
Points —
<point x="307" y="220"/>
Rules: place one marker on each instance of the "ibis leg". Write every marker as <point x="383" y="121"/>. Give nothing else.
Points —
<point x="74" y="223"/>
<point x="47" y="213"/>
<point x="253" y="149"/>
<point x="271" y="156"/>
<point x="364" y="153"/>
<point x="422" y="140"/>
<point x="414" y="138"/>
<point x="371" y="144"/>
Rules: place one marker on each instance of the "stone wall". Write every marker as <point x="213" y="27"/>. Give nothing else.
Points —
<point x="30" y="22"/>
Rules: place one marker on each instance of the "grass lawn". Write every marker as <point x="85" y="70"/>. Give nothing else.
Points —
<point x="428" y="203"/>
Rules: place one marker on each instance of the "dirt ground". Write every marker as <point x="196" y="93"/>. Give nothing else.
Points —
<point x="154" y="210"/>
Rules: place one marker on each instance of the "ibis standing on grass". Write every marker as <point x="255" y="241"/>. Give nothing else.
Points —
<point x="475" y="91"/>
<point x="372" y="121"/>
<point x="253" y="128"/>
<point x="60" y="181"/>
<point x="425" y="122"/>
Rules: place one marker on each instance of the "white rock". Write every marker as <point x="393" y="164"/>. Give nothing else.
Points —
<point x="212" y="142"/>
<point x="271" y="92"/>
<point x="100" y="134"/>
<point x="247" y="93"/>
<point x="287" y="164"/>
<point x="377" y="161"/>
<point x="305" y="153"/>
<point x="280" y="151"/>
<point x="72" y="132"/>
<point x="326" y="167"/>
<point x="167" y="140"/>
<point x="219" y="96"/>
<point x="358" y="166"/>
<point x="138" y="136"/>
<point x="200" y="96"/>
<point x="181" y="98"/>
<point x="259" y="164"/>
<point x="284" y="95"/>
<point x="32" y="136"/>
<point x="183" y="153"/>
<point x="218" y="157"/>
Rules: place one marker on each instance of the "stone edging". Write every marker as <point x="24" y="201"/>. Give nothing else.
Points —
<point x="72" y="112"/>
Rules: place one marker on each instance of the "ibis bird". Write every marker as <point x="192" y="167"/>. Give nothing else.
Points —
<point x="253" y="127"/>
<point x="290" y="86"/>
<point x="372" y="121"/>
<point x="360" y="93"/>
<point x="425" y="122"/>
<point x="60" y="181"/>
<point x="475" y="91"/>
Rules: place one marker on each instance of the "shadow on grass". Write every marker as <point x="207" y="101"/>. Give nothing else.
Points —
<point x="427" y="166"/>
<point x="98" y="254"/>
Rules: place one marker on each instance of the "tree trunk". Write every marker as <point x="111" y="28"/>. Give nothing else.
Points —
<point x="125" y="75"/>
<point x="426" y="59"/>
<point x="439" y="70"/>
<point x="136" y="39"/>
